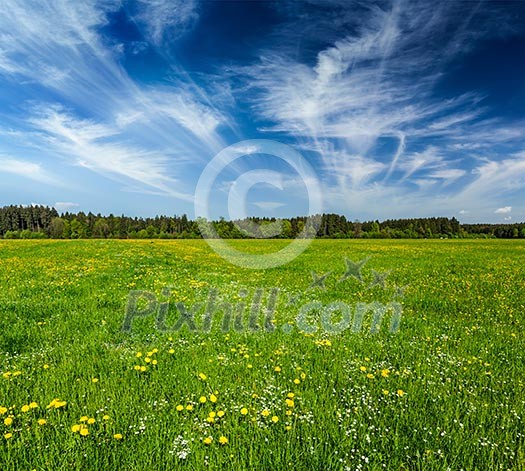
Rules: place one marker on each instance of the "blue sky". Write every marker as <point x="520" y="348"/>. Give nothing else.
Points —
<point x="402" y="108"/>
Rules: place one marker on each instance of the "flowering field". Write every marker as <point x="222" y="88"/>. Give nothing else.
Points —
<point x="443" y="392"/>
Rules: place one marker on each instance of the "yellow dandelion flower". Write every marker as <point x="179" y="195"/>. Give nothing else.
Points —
<point x="362" y="368"/>
<point x="189" y="407"/>
<point x="91" y="421"/>
<point x="213" y="398"/>
<point x="212" y="414"/>
<point x="203" y="376"/>
<point x="244" y="411"/>
<point x="84" y="418"/>
<point x="42" y="422"/>
<point x="220" y="413"/>
<point x="223" y="440"/>
<point x="288" y="428"/>
<point x="105" y="417"/>
<point x="289" y="412"/>
<point x="117" y="436"/>
<point x="202" y="399"/>
<point x="385" y="373"/>
<point x="278" y="369"/>
<point x="400" y="392"/>
<point x="143" y="368"/>
<point x="3" y="410"/>
<point x="136" y="367"/>
<point x="33" y="405"/>
<point x="303" y="376"/>
<point x="75" y="428"/>
<point x="25" y="408"/>
<point x="154" y="362"/>
<point x="265" y="413"/>
<point x="7" y="436"/>
<point x="8" y="421"/>
<point x="94" y="380"/>
<point x="370" y="376"/>
<point x="147" y="359"/>
<point x="84" y="432"/>
<point x="290" y="402"/>
<point x="46" y="366"/>
<point x="297" y="381"/>
<point x="56" y="403"/>
<point x="208" y="440"/>
<point x="290" y="395"/>
<point x="210" y="420"/>
<point x="275" y="419"/>
<point x="180" y="407"/>
<point x="171" y="351"/>
<point x="386" y="392"/>
<point x="139" y="354"/>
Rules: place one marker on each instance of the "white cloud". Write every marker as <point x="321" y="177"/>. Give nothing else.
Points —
<point x="353" y="171"/>
<point x="26" y="169"/>
<point x="504" y="210"/>
<point x="429" y="158"/>
<point x="371" y="87"/>
<point x="63" y="206"/>
<point x="140" y="133"/>
<point x="269" y="205"/>
<point x="179" y="106"/>
<point x="86" y="142"/>
<point x="448" y="174"/>
<point x="165" y="20"/>
<point x="377" y="85"/>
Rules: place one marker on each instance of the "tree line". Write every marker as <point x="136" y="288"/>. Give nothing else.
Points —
<point x="31" y="222"/>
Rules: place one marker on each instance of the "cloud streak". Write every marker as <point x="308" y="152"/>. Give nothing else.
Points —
<point x="131" y="129"/>
<point x="26" y="169"/>
<point x="376" y="85"/>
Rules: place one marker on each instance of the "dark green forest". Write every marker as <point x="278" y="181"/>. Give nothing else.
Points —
<point x="34" y="222"/>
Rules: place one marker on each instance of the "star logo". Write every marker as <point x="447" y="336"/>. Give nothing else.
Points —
<point x="353" y="269"/>
<point x="400" y="292"/>
<point x="379" y="279"/>
<point x="318" y="280"/>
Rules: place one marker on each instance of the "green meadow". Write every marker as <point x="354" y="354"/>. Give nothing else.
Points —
<point x="443" y="392"/>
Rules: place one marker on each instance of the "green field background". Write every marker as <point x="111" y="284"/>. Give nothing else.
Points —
<point x="444" y="392"/>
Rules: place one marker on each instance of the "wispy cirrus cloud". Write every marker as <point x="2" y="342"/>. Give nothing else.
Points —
<point x="268" y="205"/>
<point x="377" y="85"/>
<point x="86" y="142"/>
<point x="119" y="88"/>
<point x="26" y="169"/>
<point x="164" y="20"/>
<point x="118" y="128"/>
